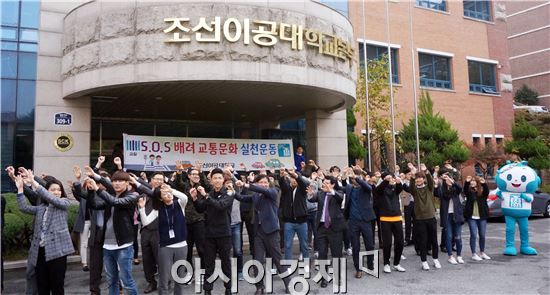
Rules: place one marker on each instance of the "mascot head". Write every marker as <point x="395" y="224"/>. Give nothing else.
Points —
<point x="517" y="178"/>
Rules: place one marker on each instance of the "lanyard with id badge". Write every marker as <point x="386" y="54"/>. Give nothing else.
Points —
<point x="170" y="221"/>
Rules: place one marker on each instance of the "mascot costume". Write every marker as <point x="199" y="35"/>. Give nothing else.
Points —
<point x="516" y="184"/>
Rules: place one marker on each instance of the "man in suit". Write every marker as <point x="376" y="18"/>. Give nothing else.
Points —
<point x="266" y="223"/>
<point x="360" y="213"/>
<point x="330" y="222"/>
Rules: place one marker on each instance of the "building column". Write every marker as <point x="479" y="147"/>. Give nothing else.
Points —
<point x="48" y="158"/>
<point x="327" y="140"/>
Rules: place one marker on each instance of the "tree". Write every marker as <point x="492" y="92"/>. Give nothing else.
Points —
<point x="438" y="140"/>
<point x="355" y="147"/>
<point x="528" y="144"/>
<point x="379" y="106"/>
<point x="526" y="95"/>
<point x="488" y="157"/>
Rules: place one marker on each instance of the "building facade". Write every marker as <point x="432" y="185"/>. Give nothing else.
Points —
<point x="529" y="45"/>
<point x="455" y="50"/>
<point x="185" y="68"/>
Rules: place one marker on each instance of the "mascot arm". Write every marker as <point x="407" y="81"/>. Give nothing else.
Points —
<point x="499" y="194"/>
<point x="527" y="197"/>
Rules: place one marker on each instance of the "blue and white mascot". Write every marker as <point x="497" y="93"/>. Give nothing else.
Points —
<point x="516" y="184"/>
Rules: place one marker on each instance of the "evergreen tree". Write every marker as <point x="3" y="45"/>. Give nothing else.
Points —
<point x="526" y="95"/>
<point x="528" y="144"/>
<point x="438" y="140"/>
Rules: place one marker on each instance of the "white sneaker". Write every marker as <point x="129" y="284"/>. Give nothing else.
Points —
<point x="437" y="264"/>
<point x="403" y="257"/>
<point x="301" y="257"/>
<point x="452" y="260"/>
<point x="387" y="268"/>
<point x="460" y="260"/>
<point x="349" y="252"/>
<point x="306" y="269"/>
<point x="476" y="257"/>
<point x="485" y="256"/>
<point x="399" y="268"/>
<point x="273" y="271"/>
<point x="316" y="254"/>
<point x="425" y="265"/>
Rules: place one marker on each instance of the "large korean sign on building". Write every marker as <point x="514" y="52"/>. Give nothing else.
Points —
<point x="260" y="32"/>
<point x="154" y="153"/>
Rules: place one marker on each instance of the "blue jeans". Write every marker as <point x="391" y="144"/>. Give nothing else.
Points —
<point x="311" y="229"/>
<point x="477" y="226"/>
<point x="301" y="230"/>
<point x="118" y="265"/>
<point x="237" y="246"/>
<point x="454" y="231"/>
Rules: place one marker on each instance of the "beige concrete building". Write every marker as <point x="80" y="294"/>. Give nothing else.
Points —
<point x="186" y="68"/>
<point x="529" y="45"/>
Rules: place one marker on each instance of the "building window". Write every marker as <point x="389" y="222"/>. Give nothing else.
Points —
<point x="340" y="6"/>
<point x="19" y="34"/>
<point x="482" y="77"/>
<point x="477" y="9"/>
<point x="435" y="71"/>
<point x="433" y="4"/>
<point x="377" y="52"/>
<point x="499" y="141"/>
<point x="476" y="140"/>
<point x="487" y="141"/>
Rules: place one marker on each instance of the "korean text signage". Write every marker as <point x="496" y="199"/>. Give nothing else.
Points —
<point x="261" y="32"/>
<point x="153" y="153"/>
<point x="63" y="119"/>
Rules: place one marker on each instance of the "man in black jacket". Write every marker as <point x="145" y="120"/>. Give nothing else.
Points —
<point x="360" y="214"/>
<point x="293" y="203"/>
<point x="330" y="221"/>
<point x="118" y="230"/>
<point x="216" y="205"/>
<point x="149" y="233"/>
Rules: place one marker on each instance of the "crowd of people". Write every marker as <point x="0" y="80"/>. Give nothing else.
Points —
<point x="207" y="211"/>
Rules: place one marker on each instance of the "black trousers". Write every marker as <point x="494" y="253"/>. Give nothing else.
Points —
<point x="50" y="275"/>
<point x="247" y="221"/>
<point x="376" y="224"/>
<point x="222" y="248"/>
<point x="346" y="237"/>
<point x="268" y="245"/>
<point x="329" y="238"/>
<point x="136" y="243"/>
<point x="409" y="220"/>
<point x="426" y="231"/>
<point x="95" y="263"/>
<point x="195" y="237"/>
<point x="150" y="253"/>
<point x="392" y="230"/>
<point x="357" y="229"/>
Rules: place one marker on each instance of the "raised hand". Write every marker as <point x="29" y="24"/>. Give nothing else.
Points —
<point x="201" y="191"/>
<point x="11" y="172"/>
<point x="179" y="165"/>
<point x="481" y="180"/>
<point x="77" y="173"/>
<point x="91" y="184"/>
<point x="239" y="183"/>
<point x="198" y="165"/>
<point x="89" y="171"/>
<point x="468" y="178"/>
<point x="118" y="162"/>
<point x="423" y="167"/>
<point x="101" y="160"/>
<point x="19" y="183"/>
<point x="141" y="202"/>
<point x="193" y="193"/>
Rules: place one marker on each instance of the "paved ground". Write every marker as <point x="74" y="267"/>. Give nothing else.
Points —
<point x="501" y="275"/>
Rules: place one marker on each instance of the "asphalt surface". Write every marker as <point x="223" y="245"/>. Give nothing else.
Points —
<point x="501" y="275"/>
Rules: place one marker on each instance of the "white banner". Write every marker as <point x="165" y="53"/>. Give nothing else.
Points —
<point x="155" y="153"/>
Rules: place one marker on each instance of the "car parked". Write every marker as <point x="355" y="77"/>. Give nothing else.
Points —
<point x="540" y="205"/>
